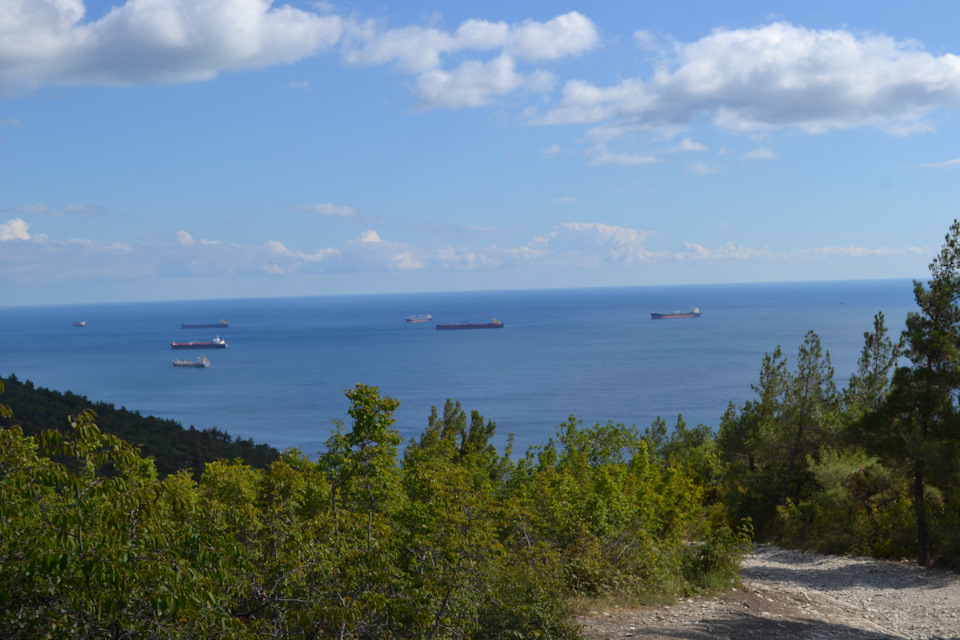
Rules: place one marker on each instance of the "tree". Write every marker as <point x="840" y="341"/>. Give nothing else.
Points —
<point x="918" y="424"/>
<point x="809" y="407"/>
<point x="869" y="386"/>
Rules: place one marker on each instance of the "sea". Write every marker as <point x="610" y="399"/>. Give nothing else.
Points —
<point x="593" y="353"/>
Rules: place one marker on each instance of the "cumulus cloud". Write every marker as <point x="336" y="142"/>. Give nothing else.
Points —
<point x="145" y="41"/>
<point x="15" y="229"/>
<point x="475" y="83"/>
<point x="175" y="41"/>
<point x="778" y="76"/>
<point x="417" y="49"/>
<point x="327" y="209"/>
<point x="470" y="81"/>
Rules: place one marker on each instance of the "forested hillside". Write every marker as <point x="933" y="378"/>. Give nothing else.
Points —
<point x="171" y="446"/>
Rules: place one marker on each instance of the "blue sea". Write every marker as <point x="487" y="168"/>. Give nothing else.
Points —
<point x="591" y="353"/>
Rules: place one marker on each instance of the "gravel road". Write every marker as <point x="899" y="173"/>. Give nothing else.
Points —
<point x="792" y="594"/>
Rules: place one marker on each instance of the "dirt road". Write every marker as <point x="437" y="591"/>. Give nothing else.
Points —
<point x="790" y="594"/>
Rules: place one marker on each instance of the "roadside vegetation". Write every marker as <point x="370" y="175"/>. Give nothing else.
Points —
<point x="445" y="537"/>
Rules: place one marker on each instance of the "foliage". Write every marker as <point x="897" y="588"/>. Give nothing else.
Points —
<point x="447" y="540"/>
<point x="172" y="447"/>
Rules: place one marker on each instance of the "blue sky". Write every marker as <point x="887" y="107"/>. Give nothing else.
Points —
<point x="190" y="149"/>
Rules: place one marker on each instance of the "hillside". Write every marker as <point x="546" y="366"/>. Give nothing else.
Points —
<point x="172" y="447"/>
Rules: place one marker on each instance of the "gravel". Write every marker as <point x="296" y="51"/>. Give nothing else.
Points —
<point x="793" y="594"/>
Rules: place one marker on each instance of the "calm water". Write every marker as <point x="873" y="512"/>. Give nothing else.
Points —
<point x="592" y="353"/>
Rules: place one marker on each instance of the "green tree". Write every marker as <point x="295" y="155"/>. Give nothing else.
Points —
<point x="918" y="425"/>
<point x="869" y="386"/>
<point x="809" y="416"/>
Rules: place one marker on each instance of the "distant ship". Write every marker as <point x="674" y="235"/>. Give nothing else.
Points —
<point x="216" y="343"/>
<point x="199" y="363"/>
<point x="493" y="324"/>
<point x="80" y="323"/>
<point x="212" y="325"/>
<point x="420" y="318"/>
<point x="693" y="313"/>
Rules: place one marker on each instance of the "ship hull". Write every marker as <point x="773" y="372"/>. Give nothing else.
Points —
<point x="468" y="325"/>
<point x="199" y="363"/>
<point x="212" y="325"/>
<point x="694" y="312"/>
<point x="197" y="345"/>
<point x="673" y="316"/>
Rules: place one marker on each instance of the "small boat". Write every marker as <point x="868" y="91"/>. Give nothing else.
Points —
<point x="223" y="324"/>
<point x="493" y="324"/>
<point x="80" y="323"/>
<point x="420" y="318"/>
<point x="199" y="363"/>
<point x="216" y="343"/>
<point x="693" y="313"/>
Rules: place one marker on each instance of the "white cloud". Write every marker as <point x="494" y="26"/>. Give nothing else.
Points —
<point x="947" y="164"/>
<point x="15" y="229"/>
<point x="174" y="41"/>
<point x="148" y="41"/>
<point x="760" y="154"/>
<point x="329" y="209"/>
<point x="584" y="244"/>
<point x="11" y="122"/>
<point x="417" y="49"/>
<point x="566" y="35"/>
<point x="686" y="145"/>
<point x="778" y="76"/>
<point x="701" y="169"/>
<point x="859" y="252"/>
<point x="602" y="157"/>
<point x="692" y="251"/>
<point x="552" y="150"/>
<point x="475" y="83"/>
<point x="35" y="258"/>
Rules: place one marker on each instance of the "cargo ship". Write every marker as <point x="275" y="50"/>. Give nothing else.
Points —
<point x="420" y="318"/>
<point x="493" y="324"/>
<point x="199" y="363"/>
<point x="216" y="343"/>
<point x="223" y="324"/>
<point x="693" y="313"/>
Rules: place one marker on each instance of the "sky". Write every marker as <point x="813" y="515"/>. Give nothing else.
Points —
<point x="202" y="149"/>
